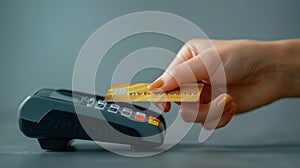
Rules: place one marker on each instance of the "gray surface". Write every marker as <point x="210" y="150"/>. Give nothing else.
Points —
<point x="41" y="39"/>
<point x="24" y="152"/>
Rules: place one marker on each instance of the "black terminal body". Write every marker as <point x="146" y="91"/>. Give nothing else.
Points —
<point x="50" y="116"/>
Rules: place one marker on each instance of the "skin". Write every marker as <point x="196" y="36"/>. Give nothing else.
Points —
<point x="257" y="73"/>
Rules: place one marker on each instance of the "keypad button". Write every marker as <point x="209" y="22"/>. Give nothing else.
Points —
<point x="140" y="116"/>
<point x="153" y="121"/>
<point x="101" y="104"/>
<point x="114" y="108"/>
<point x="91" y="102"/>
<point x="126" y="112"/>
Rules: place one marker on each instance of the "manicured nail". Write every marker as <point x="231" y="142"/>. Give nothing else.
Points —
<point x="226" y="101"/>
<point x="155" y="85"/>
<point x="161" y="107"/>
<point x="228" y="107"/>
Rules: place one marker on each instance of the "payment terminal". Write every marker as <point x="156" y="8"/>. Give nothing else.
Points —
<point x="56" y="117"/>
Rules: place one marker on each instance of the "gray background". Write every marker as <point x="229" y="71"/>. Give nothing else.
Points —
<point x="40" y="41"/>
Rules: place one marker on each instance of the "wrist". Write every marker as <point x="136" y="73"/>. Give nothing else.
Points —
<point x="283" y="61"/>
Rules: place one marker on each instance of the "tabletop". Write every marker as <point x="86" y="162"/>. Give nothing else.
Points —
<point x="18" y="151"/>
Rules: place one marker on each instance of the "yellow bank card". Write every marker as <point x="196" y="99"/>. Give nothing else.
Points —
<point x="139" y="92"/>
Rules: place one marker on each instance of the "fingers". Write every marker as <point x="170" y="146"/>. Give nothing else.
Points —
<point x="213" y="115"/>
<point x="185" y="53"/>
<point x="189" y="50"/>
<point x="192" y="70"/>
<point x="226" y="117"/>
<point x="205" y="98"/>
<point x="213" y="111"/>
<point x="187" y="72"/>
<point x="163" y="106"/>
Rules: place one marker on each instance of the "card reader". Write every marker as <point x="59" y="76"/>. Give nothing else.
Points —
<point x="56" y="117"/>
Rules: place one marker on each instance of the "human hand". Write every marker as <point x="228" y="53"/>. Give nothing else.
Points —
<point x="252" y="79"/>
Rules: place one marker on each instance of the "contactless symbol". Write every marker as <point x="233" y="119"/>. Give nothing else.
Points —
<point x="100" y="42"/>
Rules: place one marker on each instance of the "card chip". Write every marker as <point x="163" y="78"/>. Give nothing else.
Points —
<point x="120" y="91"/>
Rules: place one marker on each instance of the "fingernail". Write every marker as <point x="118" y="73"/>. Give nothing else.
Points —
<point x="161" y="107"/>
<point x="156" y="84"/>
<point x="228" y="107"/>
<point x="226" y="101"/>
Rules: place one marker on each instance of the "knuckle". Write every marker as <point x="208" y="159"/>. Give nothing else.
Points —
<point x="178" y="75"/>
<point x="193" y="41"/>
<point x="186" y="117"/>
<point x="190" y="46"/>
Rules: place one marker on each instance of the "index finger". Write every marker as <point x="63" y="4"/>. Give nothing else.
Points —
<point x="186" y="52"/>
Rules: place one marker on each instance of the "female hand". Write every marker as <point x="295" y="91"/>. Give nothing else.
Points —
<point x="254" y="71"/>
